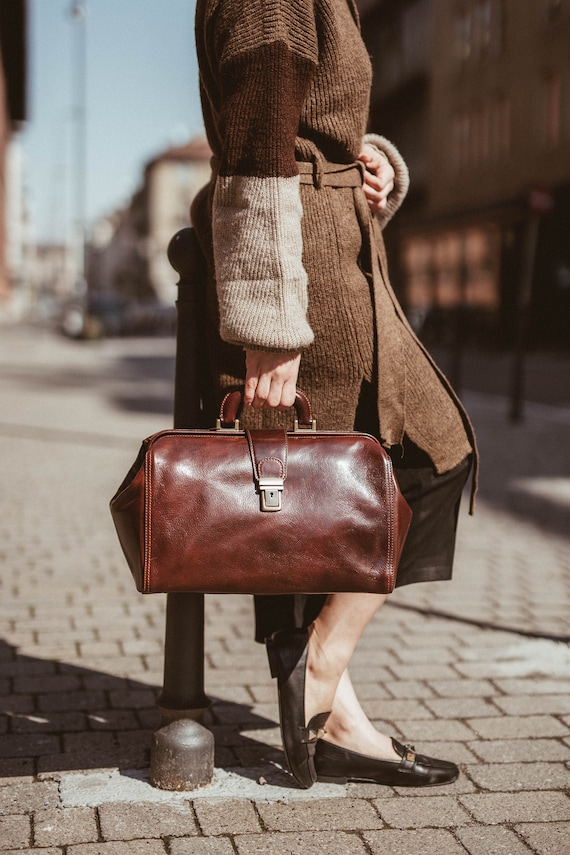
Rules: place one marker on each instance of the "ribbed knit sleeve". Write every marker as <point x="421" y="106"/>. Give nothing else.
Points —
<point x="267" y="52"/>
<point x="402" y="178"/>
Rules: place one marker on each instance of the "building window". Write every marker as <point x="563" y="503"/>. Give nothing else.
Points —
<point x="552" y="99"/>
<point x="478" y="29"/>
<point x="475" y="135"/>
<point x="501" y="126"/>
<point x="461" y="140"/>
<point x="553" y="11"/>
<point x="480" y="133"/>
<point x="463" y="35"/>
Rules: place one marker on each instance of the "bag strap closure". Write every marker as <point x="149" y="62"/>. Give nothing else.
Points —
<point x="268" y="450"/>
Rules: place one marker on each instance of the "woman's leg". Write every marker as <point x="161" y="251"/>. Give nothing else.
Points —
<point x="333" y="637"/>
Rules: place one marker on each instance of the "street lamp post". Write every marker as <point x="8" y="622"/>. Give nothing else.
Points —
<point x="78" y="13"/>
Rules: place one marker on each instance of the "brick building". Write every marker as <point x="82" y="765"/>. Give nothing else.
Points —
<point x="12" y="113"/>
<point x="476" y="94"/>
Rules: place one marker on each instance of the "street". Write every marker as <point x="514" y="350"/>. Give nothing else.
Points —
<point x="476" y="670"/>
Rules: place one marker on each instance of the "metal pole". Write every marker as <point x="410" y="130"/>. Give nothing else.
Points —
<point x="79" y="14"/>
<point x="182" y="755"/>
<point x="523" y="311"/>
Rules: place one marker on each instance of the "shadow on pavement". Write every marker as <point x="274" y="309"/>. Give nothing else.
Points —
<point x="58" y="717"/>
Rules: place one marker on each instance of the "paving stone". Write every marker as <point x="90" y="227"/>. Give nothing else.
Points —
<point x="481" y="840"/>
<point x="546" y="838"/>
<point x="16" y="770"/>
<point x="113" y="720"/>
<point x="512" y="777"/>
<point x="202" y="846"/>
<point x="71" y="701"/>
<point x="15" y="831"/>
<point x="309" y="843"/>
<point x="87" y="742"/>
<point x="226" y="817"/>
<point x="42" y="722"/>
<point x="35" y="851"/>
<point x="378" y="692"/>
<point x="535" y="704"/>
<point x="30" y="745"/>
<point x="343" y="814"/>
<point x="406" y="689"/>
<point x="463" y="688"/>
<point x="442" y="634"/>
<point x="25" y="798"/>
<point x="11" y="704"/>
<point x="462" y="708"/>
<point x="396" y="710"/>
<point x="518" y="727"/>
<point x="55" y="683"/>
<point x="426" y="653"/>
<point x="449" y="730"/>
<point x="462" y="785"/>
<point x="533" y="686"/>
<point x="431" y="811"/>
<point x="457" y="752"/>
<point x="128" y="821"/>
<point x="23" y="670"/>
<point x="129" y="699"/>
<point x="123" y="847"/>
<point x="494" y="809"/>
<point x="520" y="750"/>
<point x="65" y="826"/>
<point x="432" y="840"/>
<point x="51" y="764"/>
<point x="425" y="671"/>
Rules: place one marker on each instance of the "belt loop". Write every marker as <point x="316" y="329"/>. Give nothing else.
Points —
<point x="318" y="172"/>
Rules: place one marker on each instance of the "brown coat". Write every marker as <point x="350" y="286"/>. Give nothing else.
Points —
<point x="357" y="327"/>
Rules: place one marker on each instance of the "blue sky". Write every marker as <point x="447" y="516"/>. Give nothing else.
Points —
<point x="142" y="96"/>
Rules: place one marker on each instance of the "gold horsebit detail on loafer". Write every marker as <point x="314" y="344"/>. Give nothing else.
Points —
<point x="410" y="755"/>
<point x="311" y="734"/>
<point x="317" y="734"/>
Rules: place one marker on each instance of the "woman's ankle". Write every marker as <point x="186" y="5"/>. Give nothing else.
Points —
<point x="322" y="676"/>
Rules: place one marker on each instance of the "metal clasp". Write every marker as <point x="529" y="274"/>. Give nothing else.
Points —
<point x="305" y="428"/>
<point x="234" y="429"/>
<point x="270" y="490"/>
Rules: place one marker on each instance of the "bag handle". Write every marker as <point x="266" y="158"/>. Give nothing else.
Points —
<point x="232" y="404"/>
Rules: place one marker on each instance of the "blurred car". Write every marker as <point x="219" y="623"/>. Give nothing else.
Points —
<point x="104" y="314"/>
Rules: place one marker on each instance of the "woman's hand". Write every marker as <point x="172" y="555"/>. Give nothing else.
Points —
<point x="378" y="178"/>
<point x="271" y="379"/>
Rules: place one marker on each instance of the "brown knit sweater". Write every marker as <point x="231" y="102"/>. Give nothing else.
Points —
<point x="276" y="89"/>
<point x="296" y="266"/>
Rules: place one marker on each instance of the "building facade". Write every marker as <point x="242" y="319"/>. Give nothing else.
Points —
<point x="476" y="94"/>
<point x="128" y="252"/>
<point x="13" y="108"/>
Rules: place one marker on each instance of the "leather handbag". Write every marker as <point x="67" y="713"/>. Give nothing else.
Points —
<point x="261" y="511"/>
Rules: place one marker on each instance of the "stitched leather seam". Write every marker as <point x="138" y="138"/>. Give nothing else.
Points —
<point x="147" y="520"/>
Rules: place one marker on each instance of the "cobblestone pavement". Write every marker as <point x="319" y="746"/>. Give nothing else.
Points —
<point x="475" y="670"/>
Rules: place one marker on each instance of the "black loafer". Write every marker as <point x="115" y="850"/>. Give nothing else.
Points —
<point x="287" y="653"/>
<point x="336" y="765"/>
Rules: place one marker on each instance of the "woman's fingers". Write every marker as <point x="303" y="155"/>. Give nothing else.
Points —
<point x="271" y="379"/>
<point x="378" y="179"/>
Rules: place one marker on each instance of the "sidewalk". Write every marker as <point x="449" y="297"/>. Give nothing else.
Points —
<point x="476" y="670"/>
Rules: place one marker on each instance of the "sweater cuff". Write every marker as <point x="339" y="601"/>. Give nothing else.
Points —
<point x="401" y="181"/>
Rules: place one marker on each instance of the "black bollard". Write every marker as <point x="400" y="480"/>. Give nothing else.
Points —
<point x="182" y="757"/>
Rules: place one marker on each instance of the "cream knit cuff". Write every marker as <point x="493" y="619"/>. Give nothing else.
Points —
<point x="401" y="181"/>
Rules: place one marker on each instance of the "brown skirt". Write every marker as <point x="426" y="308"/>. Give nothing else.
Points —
<point x="430" y="545"/>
